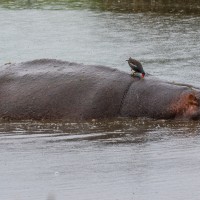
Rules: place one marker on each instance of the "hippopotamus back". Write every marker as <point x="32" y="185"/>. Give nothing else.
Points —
<point x="53" y="89"/>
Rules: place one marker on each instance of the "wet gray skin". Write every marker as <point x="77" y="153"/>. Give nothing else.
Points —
<point x="53" y="90"/>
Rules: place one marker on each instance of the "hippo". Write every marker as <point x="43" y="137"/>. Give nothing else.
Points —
<point x="49" y="89"/>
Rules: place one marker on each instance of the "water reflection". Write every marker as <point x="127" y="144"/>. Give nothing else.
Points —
<point x="166" y="6"/>
<point x="106" y="131"/>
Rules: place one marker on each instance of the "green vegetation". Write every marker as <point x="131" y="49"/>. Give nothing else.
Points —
<point x="166" y="6"/>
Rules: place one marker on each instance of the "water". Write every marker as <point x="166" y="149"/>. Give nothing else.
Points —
<point x="120" y="159"/>
<point x="166" y="44"/>
<point x="112" y="159"/>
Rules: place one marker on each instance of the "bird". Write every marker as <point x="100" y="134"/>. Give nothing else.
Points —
<point x="136" y="66"/>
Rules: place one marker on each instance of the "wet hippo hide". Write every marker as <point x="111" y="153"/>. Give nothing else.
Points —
<point x="53" y="89"/>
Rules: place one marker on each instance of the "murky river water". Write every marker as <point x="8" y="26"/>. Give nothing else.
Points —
<point x="107" y="160"/>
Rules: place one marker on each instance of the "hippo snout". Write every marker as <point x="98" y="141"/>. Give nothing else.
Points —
<point x="188" y="106"/>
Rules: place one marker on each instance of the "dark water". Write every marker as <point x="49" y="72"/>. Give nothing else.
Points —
<point x="125" y="159"/>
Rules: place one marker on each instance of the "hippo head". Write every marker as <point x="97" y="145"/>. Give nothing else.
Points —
<point x="156" y="99"/>
<point x="187" y="106"/>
